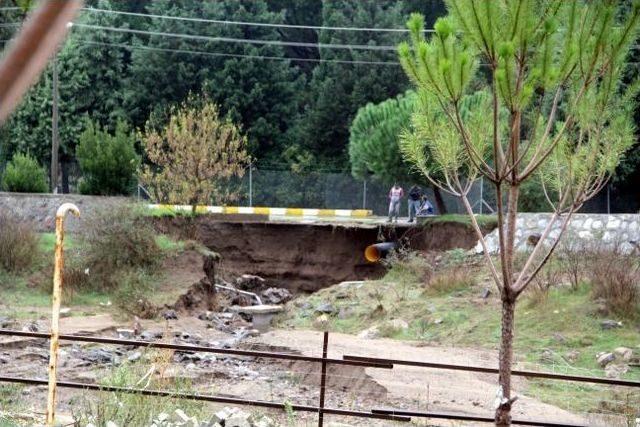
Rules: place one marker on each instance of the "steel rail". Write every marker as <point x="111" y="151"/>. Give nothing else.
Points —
<point x="475" y="418"/>
<point x="521" y="373"/>
<point x="184" y="347"/>
<point x="206" y="398"/>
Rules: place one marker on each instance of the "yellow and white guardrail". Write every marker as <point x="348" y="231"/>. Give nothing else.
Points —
<point x="302" y="212"/>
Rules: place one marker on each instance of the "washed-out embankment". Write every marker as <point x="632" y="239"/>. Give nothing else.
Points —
<point x="305" y="257"/>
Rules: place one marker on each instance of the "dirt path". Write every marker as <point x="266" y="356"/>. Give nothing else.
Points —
<point x="437" y="390"/>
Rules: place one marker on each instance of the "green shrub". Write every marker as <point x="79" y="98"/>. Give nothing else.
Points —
<point x="615" y="278"/>
<point x="117" y="240"/>
<point x="450" y="280"/>
<point x="108" y="162"/>
<point x="23" y="174"/>
<point x="18" y="243"/>
<point x="132" y="295"/>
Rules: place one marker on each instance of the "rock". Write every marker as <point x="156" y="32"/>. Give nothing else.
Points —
<point x="134" y="357"/>
<point x="486" y="292"/>
<point x="125" y="334"/>
<point x="370" y="334"/>
<point x="222" y="415"/>
<point x="325" y="308"/>
<point x="207" y="315"/>
<point x="615" y="370"/>
<point x="438" y="321"/>
<point x="170" y="315"/>
<point x="623" y="353"/>
<point x="150" y="336"/>
<point x="264" y="421"/>
<point x="321" y="322"/>
<point x="572" y="356"/>
<point x="247" y="282"/>
<point x="163" y="417"/>
<point x="5" y="322"/>
<point x="4" y="360"/>
<point x="276" y="296"/>
<point x="100" y="355"/>
<point x="397" y="324"/>
<point x="181" y="416"/>
<point x="610" y="324"/>
<point x="31" y="327"/>
<point x="65" y="312"/>
<point x="345" y="312"/>
<point x="605" y="358"/>
<point x="111" y="424"/>
<point x="239" y="419"/>
<point x="559" y="338"/>
<point x="546" y="356"/>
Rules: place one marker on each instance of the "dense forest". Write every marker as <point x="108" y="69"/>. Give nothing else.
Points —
<point x="293" y="83"/>
<point x="295" y="100"/>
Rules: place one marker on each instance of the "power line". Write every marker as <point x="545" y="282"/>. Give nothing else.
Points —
<point x="236" y="40"/>
<point x="233" y="55"/>
<point x="254" y="24"/>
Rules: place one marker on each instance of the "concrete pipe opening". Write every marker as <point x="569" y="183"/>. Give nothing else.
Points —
<point x="377" y="251"/>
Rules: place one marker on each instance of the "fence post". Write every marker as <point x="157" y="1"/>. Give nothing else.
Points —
<point x="364" y="194"/>
<point x="323" y="378"/>
<point x="251" y="184"/>
<point x="55" y="310"/>
<point x="481" y="193"/>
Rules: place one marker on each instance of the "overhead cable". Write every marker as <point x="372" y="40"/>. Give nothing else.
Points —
<point x="237" y="40"/>
<point x="253" y="24"/>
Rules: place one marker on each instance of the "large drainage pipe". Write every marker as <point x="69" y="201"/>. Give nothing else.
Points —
<point x="377" y="251"/>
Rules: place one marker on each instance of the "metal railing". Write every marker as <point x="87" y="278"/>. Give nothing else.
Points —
<point x="392" y="414"/>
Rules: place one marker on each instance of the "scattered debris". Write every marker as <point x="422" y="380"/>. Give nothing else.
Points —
<point x="623" y="353"/>
<point x="326" y="308"/>
<point x="276" y="296"/>
<point x="170" y="315"/>
<point x="248" y="282"/>
<point x="610" y="324"/>
<point x="605" y="358"/>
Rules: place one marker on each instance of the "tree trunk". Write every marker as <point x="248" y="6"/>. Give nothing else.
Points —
<point x="437" y="194"/>
<point x="503" y="412"/>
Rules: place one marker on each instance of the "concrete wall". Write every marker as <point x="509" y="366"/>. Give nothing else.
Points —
<point x="41" y="208"/>
<point x="584" y="229"/>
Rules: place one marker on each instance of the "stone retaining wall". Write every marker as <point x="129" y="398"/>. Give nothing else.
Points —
<point x="41" y="208"/>
<point x="584" y="229"/>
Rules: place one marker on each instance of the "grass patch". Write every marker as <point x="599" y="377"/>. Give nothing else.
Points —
<point x="133" y="409"/>
<point x="546" y="334"/>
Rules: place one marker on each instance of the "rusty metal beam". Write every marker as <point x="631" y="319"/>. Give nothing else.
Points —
<point x="528" y="374"/>
<point x="205" y="398"/>
<point x="474" y="418"/>
<point x="183" y="347"/>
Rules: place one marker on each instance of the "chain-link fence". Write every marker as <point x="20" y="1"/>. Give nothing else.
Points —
<point x="340" y="190"/>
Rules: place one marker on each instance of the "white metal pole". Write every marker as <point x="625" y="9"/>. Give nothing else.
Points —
<point x="364" y="194"/>
<point x="251" y="184"/>
<point x="481" y="193"/>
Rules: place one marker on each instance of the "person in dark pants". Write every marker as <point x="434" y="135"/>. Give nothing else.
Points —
<point x="414" y="202"/>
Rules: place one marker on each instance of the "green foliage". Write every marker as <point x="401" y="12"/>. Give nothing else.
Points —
<point x="118" y="239"/>
<point x="18" y="243"/>
<point x="108" y="162"/>
<point x="131" y="408"/>
<point x="23" y="174"/>
<point x="374" y="137"/>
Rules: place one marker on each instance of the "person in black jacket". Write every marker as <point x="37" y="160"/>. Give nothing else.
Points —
<point x="415" y="200"/>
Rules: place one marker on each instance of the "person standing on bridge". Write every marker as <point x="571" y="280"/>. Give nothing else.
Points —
<point x="415" y="200"/>
<point x="395" y="195"/>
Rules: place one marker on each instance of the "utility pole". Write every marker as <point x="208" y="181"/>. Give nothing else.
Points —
<point x="55" y="143"/>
